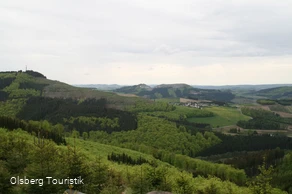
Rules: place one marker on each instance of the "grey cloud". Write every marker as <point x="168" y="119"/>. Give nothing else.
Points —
<point x="266" y="27"/>
<point x="100" y="33"/>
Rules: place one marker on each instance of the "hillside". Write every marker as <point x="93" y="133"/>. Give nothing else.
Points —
<point x="136" y="89"/>
<point x="276" y="93"/>
<point x="101" y="173"/>
<point x="111" y="166"/>
<point x="17" y="87"/>
<point x="135" y="145"/>
<point x="26" y="84"/>
<point x="176" y="86"/>
<point x="176" y="91"/>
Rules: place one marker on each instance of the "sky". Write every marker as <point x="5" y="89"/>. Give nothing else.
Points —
<point x="198" y="42"/>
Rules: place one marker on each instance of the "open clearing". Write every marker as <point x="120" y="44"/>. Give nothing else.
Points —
<point x="224" y="116"/>
<point x="127" y="95"/>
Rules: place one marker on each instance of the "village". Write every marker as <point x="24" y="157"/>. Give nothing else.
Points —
<point x="199" y="104"/>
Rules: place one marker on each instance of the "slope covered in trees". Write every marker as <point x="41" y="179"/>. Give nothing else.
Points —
<point x="126" y="144"/>
<point x="263" y="119"/>
<point x="86" y="115"/>
<point x="41" y="129"/>
<point x="156" y="133"/>
<point x="247" y="143"/>
<point x="23" y="85"/>
<point x="34" y="159"/>
<point x="276" y="93"/>
<point x="177" y="90"/>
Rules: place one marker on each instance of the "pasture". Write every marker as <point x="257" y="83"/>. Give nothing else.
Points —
<point x="224" y="116"/>
<point x="167" y="100"/>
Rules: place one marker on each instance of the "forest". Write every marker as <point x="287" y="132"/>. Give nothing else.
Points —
<point x="262" y="119"/>
<point x="136" y="147"/>
<point x="177" y="91"/>
<point x="86" y="115"/>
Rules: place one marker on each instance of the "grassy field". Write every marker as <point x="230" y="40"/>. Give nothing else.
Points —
<point x="224" y="116"/>
<point x="167" y="100"/>
<point x="180" y="111"/>
<point x="190" y="111"/>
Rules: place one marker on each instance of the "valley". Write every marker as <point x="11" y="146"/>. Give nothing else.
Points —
<point x="137" y="139"/>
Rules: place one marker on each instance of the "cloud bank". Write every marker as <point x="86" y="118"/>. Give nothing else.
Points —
<point x="135" y="41"/>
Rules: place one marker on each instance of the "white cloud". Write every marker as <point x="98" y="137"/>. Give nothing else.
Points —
<point x="162" y="41"/>
<point x="245" y="71"/>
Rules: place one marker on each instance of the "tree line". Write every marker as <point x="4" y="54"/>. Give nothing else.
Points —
<point x="32" y="85"/>
<point x="249" y="161"/>
<point x="43" y="158"/>
<point x="126" y="159"/>
<point x="75" y="114"/>
<point x="35" y="74"/>
<point x="153" y="132"/>
<point x="262" y="119"/>
<point x="42" y="128"/>
<point x="247" y="143"/>
<point x="144" y="106"/>
<point x="6" y="81"/>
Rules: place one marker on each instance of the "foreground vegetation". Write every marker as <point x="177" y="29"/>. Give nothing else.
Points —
<point x="134" y="145"/>
<point x="34" y="159"/>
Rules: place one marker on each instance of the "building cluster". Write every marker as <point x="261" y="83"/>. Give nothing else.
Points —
<point x="193" y="105"/>
<point x="199" y="105"/>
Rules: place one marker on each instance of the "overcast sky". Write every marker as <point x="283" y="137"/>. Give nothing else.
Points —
<point x="199" y="42"/>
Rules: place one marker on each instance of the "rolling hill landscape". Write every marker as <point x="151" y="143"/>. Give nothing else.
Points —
<point x="276" y="93"/>
<point x="176" y="91"/>
<point x="167" y="138"/>
<point x="145" y="97"/>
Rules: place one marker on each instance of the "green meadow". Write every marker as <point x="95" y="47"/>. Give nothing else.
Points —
<point x="224" y="116"/>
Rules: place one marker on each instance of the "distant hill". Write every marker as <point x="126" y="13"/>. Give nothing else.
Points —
<point x="176" y="91"/>
<point x="242" y="87"/>
<point x="276" y="93"/>
<point x="110" y="87"/>
<point x="173" y="86"/>
<point x="136" y="89"/>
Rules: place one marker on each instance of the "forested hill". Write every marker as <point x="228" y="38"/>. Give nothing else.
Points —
<point x="23" y="85"/>
<point x="131" y="145"/>
<point x="136" y="89"/>
<point x="176" y="90"/>
<point x="30" y="96"/>
<point x="276" y="93"/>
